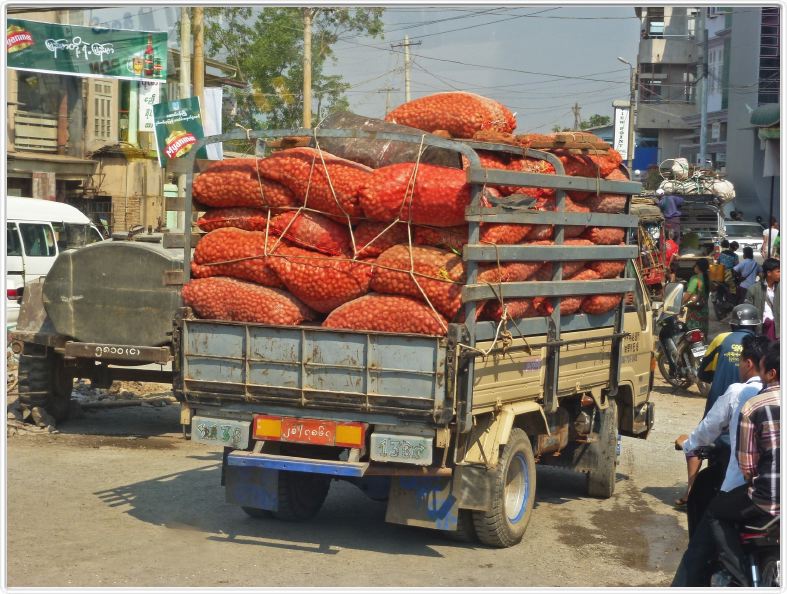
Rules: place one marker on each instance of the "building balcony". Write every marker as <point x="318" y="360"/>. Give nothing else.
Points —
<point x="664" y="115"/>
<point x="35" y="132"/>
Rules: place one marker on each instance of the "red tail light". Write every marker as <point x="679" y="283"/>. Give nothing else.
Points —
<point x="13" y="294"/>
<point x="695" y="336"/>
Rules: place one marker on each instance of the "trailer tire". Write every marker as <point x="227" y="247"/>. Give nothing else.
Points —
<point x="513" y="494"/>
<point x="44" y="382"/>
<point x="601" y="480"/>
<point x="257" y="513"/>
<point x="301" y="495"/>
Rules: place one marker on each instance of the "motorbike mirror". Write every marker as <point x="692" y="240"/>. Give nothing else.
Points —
<point x="673" y="298"/>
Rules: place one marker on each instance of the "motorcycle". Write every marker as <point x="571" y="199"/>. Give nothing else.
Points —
<point x="760" y="542"/>
<point x="723" y="299"/>
<point x="685" y="347"/>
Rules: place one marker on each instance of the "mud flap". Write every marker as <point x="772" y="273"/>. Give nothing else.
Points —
<point x="422" y="501"/>
<point x="250" y="486"/>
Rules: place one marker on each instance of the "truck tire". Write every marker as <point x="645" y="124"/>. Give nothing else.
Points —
<point x="43" y="381"/>
<point x="257" y="513"/>
<point x="301" y="495"/>
<point x="513" y="494"/>
<point x="465" y="530"/>
<point x="601" y="480"/>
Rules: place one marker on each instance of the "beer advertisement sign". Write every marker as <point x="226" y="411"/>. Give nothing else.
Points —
<point x="86" y="51"/>
<point x="178" y="126"/>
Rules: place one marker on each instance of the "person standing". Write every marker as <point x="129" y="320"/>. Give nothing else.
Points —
<point x="746" y="271"/>
<point x="769" y="239"/>
<point x="670" y="206"/>
<point x="764" y="295"/>
<point x="697" y="298"/>
<point x="671" y="250"/>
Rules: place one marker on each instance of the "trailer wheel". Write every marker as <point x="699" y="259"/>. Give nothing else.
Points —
<point x="301" y="495"/>
<point x="44" y="381"/>
<point x="513" y="493"/>
<point x="601" y="480"/>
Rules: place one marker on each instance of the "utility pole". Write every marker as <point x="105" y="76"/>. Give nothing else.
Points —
<point x="577" y="117"/>
<point x="307" y="67"/>
<point x="406" y="45"/>
<point x="185" y="91"/>
<point x="702" y="73"/>
<point x="387" y="91"/>
<point x="198" y="27"/>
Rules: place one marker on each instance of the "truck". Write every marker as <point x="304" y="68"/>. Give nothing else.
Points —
<point x="446" y="429"/>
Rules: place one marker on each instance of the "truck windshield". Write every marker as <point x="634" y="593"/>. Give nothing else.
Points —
<point x="73" y="235"/>
<point x="744" y="231"/>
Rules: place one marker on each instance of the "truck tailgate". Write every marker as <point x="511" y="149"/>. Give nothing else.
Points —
<point x="309" y="367"/>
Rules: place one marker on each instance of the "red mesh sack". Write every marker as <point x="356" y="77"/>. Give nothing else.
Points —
<point x="318" y="179"/>
<point x="250" y="219"/>
<point x="216" y="251"/>
<point x="570" y="268"/>
<point x="461" y="114"/>
<point x="372" y="239"/>
<point x="507" y="272"/>
<point x="607" y="203"/>
<point x="387" y="313"/>
<point x="517" y="308"/>
<point x="238" y="301"/>
<point x="608" y="268"/>
<point x="438" y="197"/>
<point x="570" y="305"/>
<point x="449" y="238"/>
<point x="605" y="235"/>
<point x="321" y="282"/>
<point x="616" y="175"/>
<point x="599" y="304"/>
<point x="240" y="187"/>
<point x="503" y="233"/>
<point x="530" y="165"/>
<point x="440" y="275"/>
<point x="540" y="233"/>
<point x="583" y="274"/>
<point x="607" y="163"/>
<point x="238" y="164"/>
<point x="313" y="231"/>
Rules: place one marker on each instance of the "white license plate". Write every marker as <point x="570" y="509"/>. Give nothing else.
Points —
<point x="232" y="434"/>
<point x="408" y="449"/>
<point x="698" y="352"/>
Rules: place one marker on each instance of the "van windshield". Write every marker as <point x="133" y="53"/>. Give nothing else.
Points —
<point x="73" y="235"/>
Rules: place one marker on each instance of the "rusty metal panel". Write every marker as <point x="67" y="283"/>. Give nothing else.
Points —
<point x="117" y="352"/>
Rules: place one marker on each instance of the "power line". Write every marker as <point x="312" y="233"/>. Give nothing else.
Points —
<point x="508" y="19"/>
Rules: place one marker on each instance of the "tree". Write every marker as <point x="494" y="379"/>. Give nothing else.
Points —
<point x="266" y="45"/>
<point x="592" y="122"/>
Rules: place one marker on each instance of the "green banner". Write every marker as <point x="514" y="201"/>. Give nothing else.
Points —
<point x="178" y="127"/>
<point x="86" y="51"/>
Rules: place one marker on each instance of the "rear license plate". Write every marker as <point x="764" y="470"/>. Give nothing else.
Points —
<point x="698" y="352"/>
<point x="313" y="431"/>
<point x="231" y="434"/>
<point x="407" y="449"/>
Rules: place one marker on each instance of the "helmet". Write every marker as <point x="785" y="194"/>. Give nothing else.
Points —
<point x="659" y="192"/>
<point x="744" y="315"/>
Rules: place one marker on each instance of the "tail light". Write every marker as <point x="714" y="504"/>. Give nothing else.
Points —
<point x="695" y="336"/>
<point x="14" y="294"/>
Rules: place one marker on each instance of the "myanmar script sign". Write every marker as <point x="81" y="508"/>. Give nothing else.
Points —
<point x="86" y="51"/>
<point x="178" y="126"/>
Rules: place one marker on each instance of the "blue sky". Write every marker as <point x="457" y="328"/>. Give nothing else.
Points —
<point x="538" y="60"/>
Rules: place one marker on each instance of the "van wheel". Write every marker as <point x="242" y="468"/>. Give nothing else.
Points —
<point x="301" y="495"/>
<point x="513" y="494"/>
<point x="601" y="480"/>
<point x="44" y="381"/>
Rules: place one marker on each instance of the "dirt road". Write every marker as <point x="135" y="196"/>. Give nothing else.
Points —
<point x="119" y="498"/>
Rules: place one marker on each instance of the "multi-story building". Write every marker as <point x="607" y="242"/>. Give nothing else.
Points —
<point x="69" y="138"/>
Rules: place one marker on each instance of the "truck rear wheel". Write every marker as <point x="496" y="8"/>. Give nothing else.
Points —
<point x="44" y="381"/>
<point x="601" y="480"/>
<point x="513" y="493"/>
<point x="301" y="495"/>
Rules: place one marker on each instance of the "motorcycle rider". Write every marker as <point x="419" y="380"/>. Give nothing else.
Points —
<point x="715" y="428"/>
<point x="756" y="502"/>
<point x="720" y="363"/>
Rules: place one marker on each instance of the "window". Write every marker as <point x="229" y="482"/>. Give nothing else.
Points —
<point x="70" y="236"/>
<point x="38" y="239"/>
<point x="102" y="103"/>
<point x="13" y="246"/>
<point x="655" y="21"/>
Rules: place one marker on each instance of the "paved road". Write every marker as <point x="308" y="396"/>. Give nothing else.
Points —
<point x="118" y="498"/>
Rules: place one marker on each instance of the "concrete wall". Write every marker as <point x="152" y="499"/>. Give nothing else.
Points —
<point x="135" y="187"/>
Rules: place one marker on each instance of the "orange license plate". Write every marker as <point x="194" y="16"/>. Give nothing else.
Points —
<point x="312" y="431"/>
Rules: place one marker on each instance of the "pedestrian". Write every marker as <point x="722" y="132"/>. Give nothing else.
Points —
<point x="715" y="429"/>
<point x="719" y="366"/>
<point x="764" y="295"/>
<point x="777" y="246"/>
<point x="746" y="271"/>
<point x="670" y="206"/>
<point x="671" y="250"/>
<point x="697" y="297"/>
<point x="755" y="503"/>
<point x="727" y="256"/>
<point x="769" y="239"/>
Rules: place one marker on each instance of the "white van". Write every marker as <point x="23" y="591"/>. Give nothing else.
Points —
<point x="36" y="232"/>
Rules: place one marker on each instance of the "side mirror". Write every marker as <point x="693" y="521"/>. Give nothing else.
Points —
<point x="673" y="298"/>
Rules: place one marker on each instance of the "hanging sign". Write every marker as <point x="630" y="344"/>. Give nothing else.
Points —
<point x="178" y="126"/>
<point x="620" y="141"/>
<point x="149" y="95"/>
<point x="86" y="51"/>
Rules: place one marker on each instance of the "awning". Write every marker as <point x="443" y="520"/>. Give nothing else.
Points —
<point x="765" y="116"/>
<point x="24" y="164"/>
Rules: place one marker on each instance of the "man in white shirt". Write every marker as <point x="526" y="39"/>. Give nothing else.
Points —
<point x="715" y="426"/>
<point x="769" y="239"/>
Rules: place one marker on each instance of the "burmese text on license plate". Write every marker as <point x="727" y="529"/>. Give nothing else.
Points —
<point x="408" y="449"/>
<point x="232" y="434"/>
